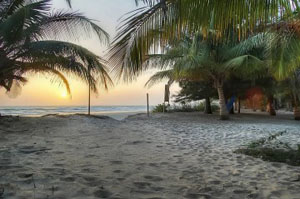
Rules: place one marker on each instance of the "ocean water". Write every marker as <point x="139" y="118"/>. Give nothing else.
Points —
<point x="45" y="110"/>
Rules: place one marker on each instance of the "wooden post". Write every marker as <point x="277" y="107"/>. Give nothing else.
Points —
<point x="148" y="111"/>
<point x="89" y="104"/>
<point x="89" y="100"/>
<point x="239" y="105"/>
<point x="166" y="97"/>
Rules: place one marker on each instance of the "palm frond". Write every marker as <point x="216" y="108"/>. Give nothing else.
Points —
<point x="70" y="57"/>
<point x="171" y="19"/>
<point x="71" y="25"/>
<point x="8" y="7"/>
<point x="49" y="71"/>
<point x="159" y="76"/>
<point x="11" y="28"/>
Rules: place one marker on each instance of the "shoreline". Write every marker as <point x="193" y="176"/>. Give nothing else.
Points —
<point x="120" y="115"/>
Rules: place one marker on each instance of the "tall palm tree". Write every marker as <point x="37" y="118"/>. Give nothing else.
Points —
<point x="295" y="93"/>
<point x="27" y="30"/>
<point x="200" y="58"/>
<point x="194" y="91"/>
<point x="152" y="27"/>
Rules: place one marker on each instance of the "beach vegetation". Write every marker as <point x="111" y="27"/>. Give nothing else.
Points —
<point x="186" y="107"/>
<point x="263" y="33"/>
<point x="32" y="42"/>
<point x="272" y="149"/>
<point x="198" y="58"/>
<point x="160" y="22"/>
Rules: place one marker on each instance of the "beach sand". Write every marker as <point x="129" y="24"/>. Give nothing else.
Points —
<point x="166" y="156"/>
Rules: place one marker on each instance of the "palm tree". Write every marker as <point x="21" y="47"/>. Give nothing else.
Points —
<point x="200" y="58"/>
<point x="154" y="26"/>
<point x="295" y="88"/>
<point x="193" y="91"/>
<point x="26" y="46"/>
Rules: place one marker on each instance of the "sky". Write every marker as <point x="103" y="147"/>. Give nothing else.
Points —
<point x="41" y="90"/>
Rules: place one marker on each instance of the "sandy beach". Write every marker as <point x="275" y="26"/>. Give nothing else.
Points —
<point x="166" y="156"/>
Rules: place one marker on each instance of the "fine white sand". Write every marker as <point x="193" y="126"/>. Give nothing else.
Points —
<point x="166" y="156"/>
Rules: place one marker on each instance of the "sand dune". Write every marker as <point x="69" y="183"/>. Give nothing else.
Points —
<point x="170" y="156"/>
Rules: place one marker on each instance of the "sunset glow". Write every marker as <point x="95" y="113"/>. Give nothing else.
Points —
<point x="64" y="95"/>
<point x="41" y="91"/>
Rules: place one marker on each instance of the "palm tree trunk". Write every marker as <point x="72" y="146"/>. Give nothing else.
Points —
<point x="239" y="105"/>
<point x="296" y="109"/>
<point x="297" y="113"/>
<point x="236" y="105"/>
<point x="223" y="109"/>
<point x="207" y="106"/>
<point x="232" y="110"/>
<point x="270" y="106"/>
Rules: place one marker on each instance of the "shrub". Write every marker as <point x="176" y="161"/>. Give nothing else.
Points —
<point x="270" y="149"/>
<point x="158" y="108"/>
<point x="183" y="107"/>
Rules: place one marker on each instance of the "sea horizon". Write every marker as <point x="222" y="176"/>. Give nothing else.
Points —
<point x="37" y="111"/>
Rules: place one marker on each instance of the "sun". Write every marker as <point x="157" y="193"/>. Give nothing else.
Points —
<point x="64" y="94"/>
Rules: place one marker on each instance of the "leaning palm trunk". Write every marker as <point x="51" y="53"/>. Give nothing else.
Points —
<point x="224" y="115"/>
<point x="271" y="107"/>
<point x="296" y="109"/>
<point x="207" y="106"/>
<point x="297" y="113"/>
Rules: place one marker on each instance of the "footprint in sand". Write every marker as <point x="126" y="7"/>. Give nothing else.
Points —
<point x="142" y="185"/>
<point x="92" y="181"/>
<point x="153" y="178"/>
<point x="121" y="179"/>
<point x="157" y="188"/>
<point x="241" y="191"/>
<point x="153" y="165"/>
<point x="197" y="196"/>
<point x="116" y="162"/>
<point x="68" y="179"/>
<point x="102" y="193"/>
<point x="24" y="175"/>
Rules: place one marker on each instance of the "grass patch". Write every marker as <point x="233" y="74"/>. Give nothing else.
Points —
<point x="272" y="150"/>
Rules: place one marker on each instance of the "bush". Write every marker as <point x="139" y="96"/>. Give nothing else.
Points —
<point x="270" y="149"/>
<point x="158" y="109"/>
<point x="185" y="108"/>
<point x="291" y="157"/>
<point x="201" y="107"/>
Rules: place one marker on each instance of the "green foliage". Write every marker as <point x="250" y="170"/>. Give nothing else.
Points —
<point x="26" y="29"/>
<point x="291" y="157"/>
<point x="201" y="107"/>
<point x="268" y="150"/>
<point x="184" y="108"/>
<point x="194" y="91"/>
<point x="262" y="141"/>
<point x="158" y="108"/>
<point x="163" y="21"/>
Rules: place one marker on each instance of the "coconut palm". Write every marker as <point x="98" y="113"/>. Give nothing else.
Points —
<point x="194" y="91"/>
<point x="205" y="59"/>
<point x="27" y="30"/>
<point x="294" y="84"/>
<point x="152" y="27"/>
